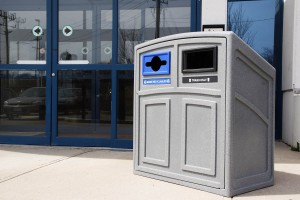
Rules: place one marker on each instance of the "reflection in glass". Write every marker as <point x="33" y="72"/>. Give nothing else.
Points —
<point x="253" y="22"/>
<point x="22" y="98"/>
<point x="125" y="105"/>
<point x="84" y="104"/>
<point x="19" y="40"/>
<point x="139" y="22"/>
<point x="85" y="32"/>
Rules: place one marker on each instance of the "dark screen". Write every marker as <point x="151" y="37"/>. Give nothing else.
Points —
<point x="200" y="60"/>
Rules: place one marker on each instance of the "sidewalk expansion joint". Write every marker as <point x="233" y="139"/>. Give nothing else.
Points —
<point x="46" y="165"/>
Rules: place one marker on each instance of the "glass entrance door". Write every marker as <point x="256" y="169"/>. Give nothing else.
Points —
<point x="24" y="69"/>
<point x="82" y="93"/>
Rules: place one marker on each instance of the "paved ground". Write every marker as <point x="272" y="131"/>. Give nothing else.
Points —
<point x="41" y="173"/>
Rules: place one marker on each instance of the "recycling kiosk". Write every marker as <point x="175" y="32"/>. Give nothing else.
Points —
<point x="204" y="113"/>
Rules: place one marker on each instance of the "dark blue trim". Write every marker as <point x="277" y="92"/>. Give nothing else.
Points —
<point x="196" y="15"/>
<point x="25" y="67"/>
<point x="94" y="142"/>
<point x="243" y="0"/>
<point x="193" y="15"/>
<point x="95" y="67"/>
<point x="124" y="67"/>
<point x="125" y="144"/>
<point x="278" y="65"/>
<point x="54" y="57"/>
<point x="31" y="140"/>
<point x="115" y="32"/>
<point x="48" y="73"/>
<point x="86" y="142"/>
<point x="54" y="109"/>
<point x="95" y="86"/>
<point x="114" y="109"/>
<point x="199" y="15"/>
<point x="54" y="50"/>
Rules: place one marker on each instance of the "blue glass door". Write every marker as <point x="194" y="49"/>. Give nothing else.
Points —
<point x="82" y="75"/>
<point x="25" y="68"/>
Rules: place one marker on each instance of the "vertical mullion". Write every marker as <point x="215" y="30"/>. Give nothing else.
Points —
<point x="199" y="15"/>
<point x="97" y="102"/>
<point x="114" y="109"/>
<point x="96" y="28"/>
<point x="114" y="72"/>
<point x="115" y="28"/>
<point x="48" y="71"/>
<point x="193" y="20"/>
<point x="54" y="27"/>
<point x="54" y="66"/>
<point x="196" y="15"/>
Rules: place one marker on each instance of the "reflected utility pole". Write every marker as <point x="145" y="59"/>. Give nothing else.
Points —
<point x="84" y="56"/>
<point x="37" y="54"/>
<point x="19" y="21"/>
<point x="5" y="18"/>
<point x="157" y="24"/>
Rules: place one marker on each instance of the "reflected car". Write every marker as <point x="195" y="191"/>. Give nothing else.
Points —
<point x="6" y="93"/>
<point x="29" y="102"/>
<point x="70" y="100"/>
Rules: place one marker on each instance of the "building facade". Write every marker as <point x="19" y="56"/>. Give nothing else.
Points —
<point x="291" y="74"/>
<point x="66" y="66"/>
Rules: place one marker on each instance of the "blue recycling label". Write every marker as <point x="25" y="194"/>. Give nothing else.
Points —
<point x="157" y="81"/>
<point x="156" y="64"/>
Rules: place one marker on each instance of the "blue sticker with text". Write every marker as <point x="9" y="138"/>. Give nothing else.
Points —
<point x="157" y="81"/>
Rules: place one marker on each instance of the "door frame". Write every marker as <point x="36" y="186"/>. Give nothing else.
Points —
<point x="45" y="139"/>
<point x="69" y="141"/>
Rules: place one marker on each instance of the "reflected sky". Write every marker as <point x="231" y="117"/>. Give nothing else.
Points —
<point x="262" y="15"/>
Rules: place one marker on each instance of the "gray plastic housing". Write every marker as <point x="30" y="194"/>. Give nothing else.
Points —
<point x="208" y="129"/>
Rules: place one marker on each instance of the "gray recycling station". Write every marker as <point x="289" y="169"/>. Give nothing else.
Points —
<point x="204" y="113"/>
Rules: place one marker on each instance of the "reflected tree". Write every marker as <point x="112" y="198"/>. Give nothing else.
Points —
<point x="127" y="40"/>
<point x="240" y="24"/>
<point x="268" y="54"/>
<point x="6" y="17"/>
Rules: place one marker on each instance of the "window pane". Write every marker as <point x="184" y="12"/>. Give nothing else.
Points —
<point x="85" y="32"/>
<point x="125" y="105"/>
<point x="84" y="104"/>
<point x="137" y="23"/>
<point x="254" y="22"/>
<point x="22" y="32"/>
<point x="22" y="98"/>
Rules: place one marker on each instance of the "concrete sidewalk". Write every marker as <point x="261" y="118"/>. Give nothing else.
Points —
<point x="31" y="172"/>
